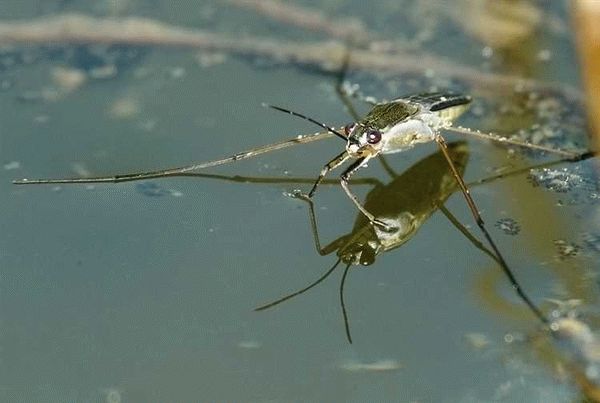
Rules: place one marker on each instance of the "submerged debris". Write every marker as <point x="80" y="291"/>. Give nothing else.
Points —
<point x="124" y="108"/>
<point x="129" y="34"/>
<point x="68" y="79"/>
<point x="579" y="181"/>
<point x="112" y="395"/>
<point x="151" y="189"/>
<point x="249" y="344"/>
<point x="581" y="346"/>
<point x="499" y="24"/>
<point x="591" y="241"/>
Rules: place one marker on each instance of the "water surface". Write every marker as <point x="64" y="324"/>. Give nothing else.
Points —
<point x="143" y="292"/>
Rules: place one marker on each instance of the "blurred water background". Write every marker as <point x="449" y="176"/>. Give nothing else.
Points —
<point x="141" y="292"/>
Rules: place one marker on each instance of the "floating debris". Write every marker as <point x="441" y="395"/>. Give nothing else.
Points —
<point x="208" y="59"/>
<point x="566" y="249"/>
<point x="508" y="225"/>
<point x="555" y="122"/>
<point x="556" y="180"/>
<point x="68" y="79"/>
<point x="376" y="366"/>
<point x="580" y="181"/>
<point x="124" y="108"/>
<point x="581" y="345"/>
<point x="477" y="341"/>
<point x="564" y="308"/>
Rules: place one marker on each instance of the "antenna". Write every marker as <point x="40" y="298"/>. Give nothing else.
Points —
<point x="323" y="125"/>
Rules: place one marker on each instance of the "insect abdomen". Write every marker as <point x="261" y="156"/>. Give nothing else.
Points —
<point x="450" y="101"/>
<point x="446" y="104"/>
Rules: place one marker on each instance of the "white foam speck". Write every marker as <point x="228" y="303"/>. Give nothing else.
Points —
<point x="12" y="165"/>
<point x="376" y="366"/>
<point x="249" y="344"/>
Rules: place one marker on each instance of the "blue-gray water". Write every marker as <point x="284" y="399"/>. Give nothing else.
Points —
<point x="142" y="292"/>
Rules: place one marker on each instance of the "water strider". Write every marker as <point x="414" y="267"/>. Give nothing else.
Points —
<point x="390" y="127"/>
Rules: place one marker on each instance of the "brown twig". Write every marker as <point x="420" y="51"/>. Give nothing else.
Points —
<point x="329" y="55"/>
<point x="347" y="29"/>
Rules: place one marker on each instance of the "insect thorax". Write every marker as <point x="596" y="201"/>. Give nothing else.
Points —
<point x="416" y="119"/>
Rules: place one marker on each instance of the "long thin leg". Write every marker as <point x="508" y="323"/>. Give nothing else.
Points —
<point x="580" y="157"/>
<point x="344" y="181"/>
<point x="356" y="94"/>
<point x="301" y="291"/>
<point x="185" y="169"/>
<point x="334" y="163"/>
<point x="515" y="284"/>
<point x="342" y="93"/>
<point x="278" y="180"/>
<point x="505" y="140"/>
<point x="329" y="248"/>
<point x="459" y="226"/>
<point x="376" y="182"/>
<point x="346" y="95"/>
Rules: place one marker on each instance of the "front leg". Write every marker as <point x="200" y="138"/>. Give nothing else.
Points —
<point x="344" y="181"/>
<point x="334" y="163"/>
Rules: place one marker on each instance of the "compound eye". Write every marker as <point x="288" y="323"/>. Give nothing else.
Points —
<point x="373" y="136"/>
<point x="348" y="128"/>
<point x="367" y="257"/>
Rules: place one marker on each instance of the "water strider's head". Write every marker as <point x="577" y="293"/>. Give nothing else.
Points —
<point x="399" y="124"/>
<point x="362" y="252"/>
<point x="363" y="140"/>
<point x="369" y="136"/>
<point x="366" y="242"/>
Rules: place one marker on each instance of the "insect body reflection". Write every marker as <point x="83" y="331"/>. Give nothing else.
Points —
<point x="404" y="204"/>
